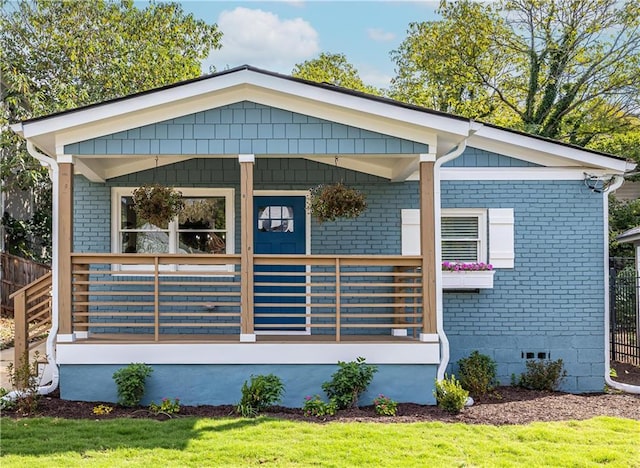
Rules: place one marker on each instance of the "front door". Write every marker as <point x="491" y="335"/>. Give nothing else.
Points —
<point x="279" y="228"/>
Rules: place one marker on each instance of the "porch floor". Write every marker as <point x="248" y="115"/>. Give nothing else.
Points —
<point x="132" y="338"/>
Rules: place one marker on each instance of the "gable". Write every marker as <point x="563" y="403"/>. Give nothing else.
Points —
<point x="474" y="157"/>
<point x="246" y="128"/>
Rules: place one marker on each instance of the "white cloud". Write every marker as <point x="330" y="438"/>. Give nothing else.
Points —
<point x="262" y="39"/>
<point x="380" y="35"/>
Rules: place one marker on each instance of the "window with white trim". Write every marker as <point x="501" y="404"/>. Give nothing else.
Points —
<point x="464" y="235"/>
<point x="467" y="235"/>
<point x="205" y="225"/>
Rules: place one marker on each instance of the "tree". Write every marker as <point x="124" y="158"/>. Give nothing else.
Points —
<point x="566" y="69"/>
<point x="58" y="55"/>
<point x="333" y="69"/>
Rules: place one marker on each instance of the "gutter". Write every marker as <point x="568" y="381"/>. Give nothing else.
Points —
<point x="52" y="165"/>
<point x="607" y="312"/>
<point x="444" y="341"/>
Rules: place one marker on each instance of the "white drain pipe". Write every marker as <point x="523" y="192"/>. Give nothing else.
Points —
<point x="52" y="165"/>
<point x="607" y="312"/>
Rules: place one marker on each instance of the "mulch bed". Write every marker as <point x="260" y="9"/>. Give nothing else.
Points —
<point x="509" y="405"/>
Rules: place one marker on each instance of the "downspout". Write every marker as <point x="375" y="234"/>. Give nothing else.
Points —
<point x="52" y="165"/>
<point x="607" y="312"/>
<point x="444" y="341"/>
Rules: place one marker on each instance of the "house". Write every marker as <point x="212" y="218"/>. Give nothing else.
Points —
<point x="248" y="283"/>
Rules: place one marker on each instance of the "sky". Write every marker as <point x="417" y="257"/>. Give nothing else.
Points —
<point x="277" y="35"/>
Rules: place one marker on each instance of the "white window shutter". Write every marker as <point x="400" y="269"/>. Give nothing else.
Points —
<point x="410" y="232"/>
<point x="501" y="237"/>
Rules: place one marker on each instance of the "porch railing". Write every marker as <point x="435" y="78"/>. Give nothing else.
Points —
<point x="201" y="294"/>
<point x="32" y="315"/>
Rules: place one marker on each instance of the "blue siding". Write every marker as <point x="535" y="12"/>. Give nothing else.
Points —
<point x="474" y="157"/>
<point x="553" y="300"/>
<point x="245" y="127"/>
<point x="220" y="384"/>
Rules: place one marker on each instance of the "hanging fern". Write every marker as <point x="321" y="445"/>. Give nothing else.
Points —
<point x="157" y="204"/>
<point x="329" y="202"/>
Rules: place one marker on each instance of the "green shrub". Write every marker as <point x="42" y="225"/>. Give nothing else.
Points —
<point x="166" y="406"/>
<point x="261" y="392"/>
<point x="542" y="375"/>
<point x="477" y="374"/>
<point x="385" y="406"/>
<point x="131" y="382"/>
<point x="314" y="406"/>
<point x="348" y="382"/>
<point x="23" y="377"/>
<point x="450" y="395"/>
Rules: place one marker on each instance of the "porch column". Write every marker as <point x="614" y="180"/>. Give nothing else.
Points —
<point x="246" y="247"/>
<point x="428" y="246"/>
<point x="64" y="249"/>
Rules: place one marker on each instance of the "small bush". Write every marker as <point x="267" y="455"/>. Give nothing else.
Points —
<point x="261" y="392"/>
<point x="166" y="406"/>
<point x="5" y="403"/>
<point x="131" y="382"/>
<point x="314" y="406"/>
<point x="348" y="382"/>
<point x="542" y="375"/>
<point x="450" y="395"/>
<point x="385" y="406"/>
<point x="24" y="378"/>
<point x="477" y="374"/>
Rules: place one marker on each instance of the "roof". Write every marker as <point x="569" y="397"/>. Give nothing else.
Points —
<point x="439" y="130"/>
<point x="632" y="235"/>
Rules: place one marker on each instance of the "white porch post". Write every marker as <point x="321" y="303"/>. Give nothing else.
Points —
<point x="246" y="247"/>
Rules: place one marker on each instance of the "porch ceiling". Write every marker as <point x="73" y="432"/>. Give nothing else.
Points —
<point x="100" y="168"/>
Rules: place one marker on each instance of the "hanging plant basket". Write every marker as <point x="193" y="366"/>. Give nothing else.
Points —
<point x="329" y="202"/>
<point x="157" y="204"/>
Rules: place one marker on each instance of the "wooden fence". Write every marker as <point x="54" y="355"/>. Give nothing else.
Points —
<point x="17" y="272"/>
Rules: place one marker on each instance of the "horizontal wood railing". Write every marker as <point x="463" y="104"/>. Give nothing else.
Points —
<point x="32" y="315"/>
<point x="200" y="294"/>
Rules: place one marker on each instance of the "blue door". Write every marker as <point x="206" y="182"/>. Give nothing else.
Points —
<point x="279" y="228"/>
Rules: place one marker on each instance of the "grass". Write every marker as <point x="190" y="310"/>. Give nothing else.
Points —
<point x="49" y="442"/>
<point x="6" y="332"/>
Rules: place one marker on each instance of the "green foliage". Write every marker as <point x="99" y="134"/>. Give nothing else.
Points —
<point x="23" y="377"/>
<point x="329" y="202"/>
<point x="349" y="381"/>
<point x="450" y="395"/>
<point x="259" y="393"/>
<point x="623" y="215"/>
<point x="477" y="374"/>
<point x="315" y="406"/>
<point x="333" y="69"/>
<point x="59" y="55"/>
<point x="5" y="403"/>
<point x="385" y="406"/>
<point x="166" y="406"/>
<point x="542" y="375"/>
<point x="565" y="70"/>
<point x="131" y="382"/>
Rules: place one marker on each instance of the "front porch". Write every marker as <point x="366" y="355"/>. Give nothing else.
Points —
<point x="145" y="298"/>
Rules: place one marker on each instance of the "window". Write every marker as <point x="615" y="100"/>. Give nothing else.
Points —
<point x="275" y="218"/>
<point x="464" y="234"/>
<point x="205" y="225"/>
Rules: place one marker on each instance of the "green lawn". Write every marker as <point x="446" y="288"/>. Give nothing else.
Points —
<point x="50" y="442"/>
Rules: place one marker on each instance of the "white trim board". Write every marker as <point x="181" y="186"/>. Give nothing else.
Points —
<point x="516" y="173"/>
<point x="248" y="353"/>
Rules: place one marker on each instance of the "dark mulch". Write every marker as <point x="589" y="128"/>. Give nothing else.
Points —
<point x="509" y="405"/>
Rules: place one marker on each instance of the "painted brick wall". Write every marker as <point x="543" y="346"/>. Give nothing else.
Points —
<point x="553" y="300"/>
<point x="246" y="127"/>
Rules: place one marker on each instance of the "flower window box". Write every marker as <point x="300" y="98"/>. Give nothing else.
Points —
<point x="467" y="276"/>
